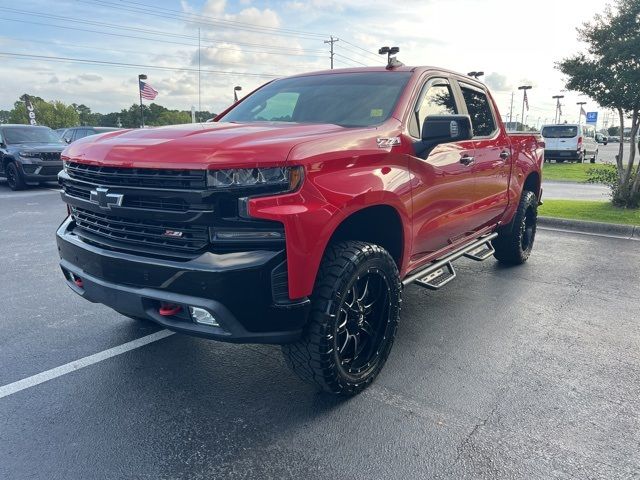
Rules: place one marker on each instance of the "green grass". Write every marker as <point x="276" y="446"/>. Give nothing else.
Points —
<point x="591" y="211"/>
<point x="569" y="172"/>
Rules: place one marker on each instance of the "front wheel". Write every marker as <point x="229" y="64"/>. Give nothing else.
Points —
<point x="354" y="315"/>
<point x="515" y="240"/>
<point x="14" y="177"/>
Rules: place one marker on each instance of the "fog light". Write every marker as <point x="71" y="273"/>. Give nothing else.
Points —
<point x="201" y="316"/>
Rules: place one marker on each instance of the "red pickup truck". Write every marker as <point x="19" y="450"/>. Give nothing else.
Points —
<point x="299" y="214"/>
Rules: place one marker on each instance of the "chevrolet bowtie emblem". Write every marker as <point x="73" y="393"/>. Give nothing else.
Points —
<point x="104" y="199"/>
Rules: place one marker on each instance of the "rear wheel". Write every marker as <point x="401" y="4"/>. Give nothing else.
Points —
<point x="353" y="319"/>
<point x="515" y="240"/>
<point x="14" y="177"/>
<point x="595" y="157"/>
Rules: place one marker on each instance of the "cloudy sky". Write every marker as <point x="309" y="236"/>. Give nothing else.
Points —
<point x="247" y="42"/>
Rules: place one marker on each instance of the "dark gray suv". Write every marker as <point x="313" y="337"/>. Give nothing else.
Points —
<point x="29" y="155"/>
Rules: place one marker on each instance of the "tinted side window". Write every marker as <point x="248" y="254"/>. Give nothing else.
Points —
<point x="81" y="133"/>
<point x="438" y="100"/>
<point x="479" y="111"/>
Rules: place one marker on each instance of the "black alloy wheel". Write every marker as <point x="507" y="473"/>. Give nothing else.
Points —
<point x="362" y="320"/>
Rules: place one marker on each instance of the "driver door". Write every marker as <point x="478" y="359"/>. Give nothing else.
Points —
<point x="442" y="179"/>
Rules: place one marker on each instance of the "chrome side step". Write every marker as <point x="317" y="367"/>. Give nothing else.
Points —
<point x="481" y="253"/>
<point x="439" y="273"/>
<point x="438" y="278"/>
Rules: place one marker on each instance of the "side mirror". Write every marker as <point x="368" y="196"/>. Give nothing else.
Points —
<point x="439" y="129"/>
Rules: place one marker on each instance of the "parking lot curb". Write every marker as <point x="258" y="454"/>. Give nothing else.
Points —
<point x="583" y="226"/>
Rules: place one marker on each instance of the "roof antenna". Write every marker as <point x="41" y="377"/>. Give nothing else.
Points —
<point x="392" y="62"/>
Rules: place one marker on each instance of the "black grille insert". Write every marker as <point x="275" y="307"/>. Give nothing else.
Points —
<point x="179" y="237"/>
<point x="138" y="177"/>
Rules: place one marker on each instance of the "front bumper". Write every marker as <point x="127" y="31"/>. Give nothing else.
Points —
<point x="36" y="171"/>
<point x="236" y="288"/>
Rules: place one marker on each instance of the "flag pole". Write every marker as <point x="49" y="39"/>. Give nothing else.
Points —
<point x="141" y="77"/>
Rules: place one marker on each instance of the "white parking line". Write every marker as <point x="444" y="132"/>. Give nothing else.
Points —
<point x="39" y="378"/>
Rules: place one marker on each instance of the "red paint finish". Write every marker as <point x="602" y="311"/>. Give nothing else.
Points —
<point x="440" y="201"/>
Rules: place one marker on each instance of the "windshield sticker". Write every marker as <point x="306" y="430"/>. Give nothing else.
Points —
<point x="376" y="112"/>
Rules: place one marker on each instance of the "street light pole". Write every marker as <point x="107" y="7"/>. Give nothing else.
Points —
<point x="141" y="77"/>
<point x="556" y="118"/>
<point x="524" y="89"/>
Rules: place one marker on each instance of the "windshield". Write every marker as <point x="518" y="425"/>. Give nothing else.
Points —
<point x="560" y="131"/>
<point x="13" y="135"/>
<point x="345" y="99"/>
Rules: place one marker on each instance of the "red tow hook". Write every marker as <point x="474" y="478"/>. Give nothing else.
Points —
<point x="169" y="309"/>
<point x="78" y="282"/>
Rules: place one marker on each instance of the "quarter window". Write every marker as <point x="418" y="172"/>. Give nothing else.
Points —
<point x="480" y="112"/>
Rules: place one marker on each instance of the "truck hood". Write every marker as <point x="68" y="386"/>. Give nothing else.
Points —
<point x="197" y="146"/>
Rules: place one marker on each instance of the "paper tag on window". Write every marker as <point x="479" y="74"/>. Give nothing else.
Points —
<point x="376" y="112"/>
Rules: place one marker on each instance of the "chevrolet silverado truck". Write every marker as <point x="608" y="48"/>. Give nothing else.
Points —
<point x="29" y="155"/>
<point x="298" y="216"/>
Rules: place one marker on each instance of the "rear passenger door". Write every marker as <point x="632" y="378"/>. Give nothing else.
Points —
<point x="492" y="165"/>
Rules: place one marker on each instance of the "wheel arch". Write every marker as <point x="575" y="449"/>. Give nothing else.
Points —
<point x="380" y="224"/>
<point x="532" y="183"/>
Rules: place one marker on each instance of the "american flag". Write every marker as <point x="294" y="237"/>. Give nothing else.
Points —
<point x="526" y="100"/>
<point x="147" y="91"/>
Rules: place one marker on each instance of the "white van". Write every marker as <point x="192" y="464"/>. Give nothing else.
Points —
<point x="570" y="141"/>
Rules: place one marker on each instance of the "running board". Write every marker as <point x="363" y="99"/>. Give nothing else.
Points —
<point x="481" y="253"/>
<point x="438" y="278"/>
<point x="441" y="272"/>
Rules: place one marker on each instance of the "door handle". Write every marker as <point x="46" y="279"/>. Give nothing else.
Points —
<point x="505" y="154"/>
<point x="467" y="160"/>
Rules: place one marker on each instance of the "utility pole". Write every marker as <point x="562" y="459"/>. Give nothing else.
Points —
<point x="580" y="104"/>
<point x="199" y="103"/>
<point x="331" y="42"/>
<point x="556" y="118"/>
<point x="524" y="89"/>
<point x="511" y="109"/>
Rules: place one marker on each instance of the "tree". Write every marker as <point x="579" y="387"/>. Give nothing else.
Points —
<point x="609" y="73"/>
<point x="53" y="114"/>
<point x="613" y="131"/>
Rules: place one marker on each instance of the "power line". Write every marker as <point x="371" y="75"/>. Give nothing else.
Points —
<point x="171" y="13"/>
<point x="165" y="34"/>
<point x="351" y="59"/>
<point x="351" y="50"/>
<point x="126" y="65"/>
<point x="363" y="49"/>
<point x="137" y="37"/>
<point x="129" y="52"/>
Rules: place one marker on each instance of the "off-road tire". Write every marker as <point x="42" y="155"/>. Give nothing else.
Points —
<point x="14" y="177"/>
<point x="315" y="358"/>
<point x="515" y="240"/>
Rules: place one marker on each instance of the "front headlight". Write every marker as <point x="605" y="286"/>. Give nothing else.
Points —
<point x="287" y="178"/>
<point x="65" y="165"/>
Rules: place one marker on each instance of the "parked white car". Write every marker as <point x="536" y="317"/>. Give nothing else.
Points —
<point x="570" y="141"/>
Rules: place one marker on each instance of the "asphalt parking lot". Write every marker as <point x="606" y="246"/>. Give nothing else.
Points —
<point x="527" y="372"/>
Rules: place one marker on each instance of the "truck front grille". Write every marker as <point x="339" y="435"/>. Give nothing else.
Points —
<point x="138" y="177"/>
<point x="187" y="238"/>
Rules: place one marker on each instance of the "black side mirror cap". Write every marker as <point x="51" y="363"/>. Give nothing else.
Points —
<point x="439" y="129"/>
